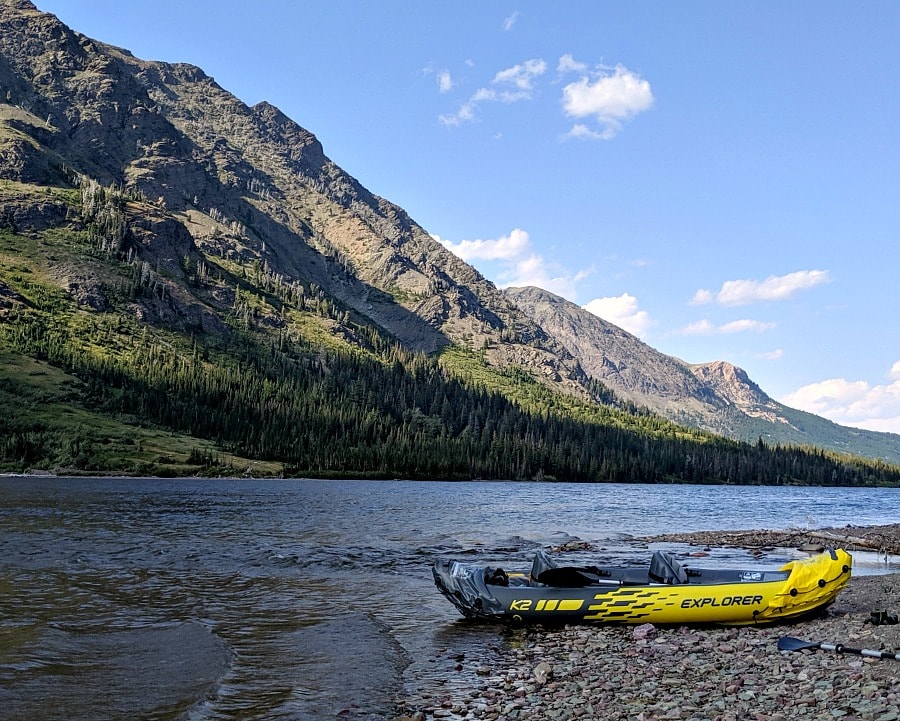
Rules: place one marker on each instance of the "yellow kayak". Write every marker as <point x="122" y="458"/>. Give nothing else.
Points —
<point x="666" y="592"/>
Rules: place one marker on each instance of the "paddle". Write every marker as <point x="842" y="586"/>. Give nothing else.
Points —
<point x="787" y="643"/>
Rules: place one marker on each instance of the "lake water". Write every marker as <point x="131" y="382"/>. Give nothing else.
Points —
<point x="296" y="599"/>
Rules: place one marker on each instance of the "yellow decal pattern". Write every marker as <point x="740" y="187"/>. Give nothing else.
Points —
<point x="631" y="605"/>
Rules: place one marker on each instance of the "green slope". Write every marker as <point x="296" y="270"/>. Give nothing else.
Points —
<point x="44" y="426"/>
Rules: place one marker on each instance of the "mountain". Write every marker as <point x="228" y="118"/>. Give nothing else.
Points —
<point x="175" y="261"/>
<point x="718" y="396"/>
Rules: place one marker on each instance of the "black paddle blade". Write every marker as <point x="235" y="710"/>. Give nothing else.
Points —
<point x="789" y="643"/>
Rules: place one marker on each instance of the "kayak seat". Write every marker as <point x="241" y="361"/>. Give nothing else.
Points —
<point x="546" y="572"/>
<point x="665" y="568"/>
<point x="570" y="577"/>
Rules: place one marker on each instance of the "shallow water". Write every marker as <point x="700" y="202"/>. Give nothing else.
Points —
<point x="298" y="599"/>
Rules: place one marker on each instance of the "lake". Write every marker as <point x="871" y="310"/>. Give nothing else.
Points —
<point x="300" y="599"/>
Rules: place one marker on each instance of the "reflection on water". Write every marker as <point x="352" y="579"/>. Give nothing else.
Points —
<point x="229" y="599"/>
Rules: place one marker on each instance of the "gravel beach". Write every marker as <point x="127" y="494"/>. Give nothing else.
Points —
<point x="645" y="673"/>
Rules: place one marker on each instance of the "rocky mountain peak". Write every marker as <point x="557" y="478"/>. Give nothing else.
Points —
<point x="730" y="382"/>
<point x="21" y="7"/>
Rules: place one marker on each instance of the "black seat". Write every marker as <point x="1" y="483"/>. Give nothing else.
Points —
<point x="665" y="568"/>
<point x="544" y="570"/>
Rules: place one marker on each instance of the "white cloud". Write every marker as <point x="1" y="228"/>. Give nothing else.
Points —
<point x="744" y="325"/>
<point x="522" y="75"/>
<point x="513" y="85"/>
<point x="519" y="265"/>
<point x="568" y="64"/>
<point x="582" y="131"/>
<point x="510" y="21"/>
<point x="773" y="288"/>
<point x="445" y="81"/>
<point x="609" y="98"/>
<point x="466" y="112"/>
<point x="507" y="247"/>
<point x="535" y="270"/>
<point x="771" y="355"/>
<point x="621" y="311"/>
<point x="702" y="297"/>
<point x="853" y="403"/>
<point x="598" y="103"/>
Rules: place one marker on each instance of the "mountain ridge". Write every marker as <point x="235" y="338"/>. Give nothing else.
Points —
<point x="716" y="396"/>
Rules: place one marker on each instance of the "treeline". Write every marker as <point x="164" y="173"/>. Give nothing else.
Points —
<point x="329" y="413"/>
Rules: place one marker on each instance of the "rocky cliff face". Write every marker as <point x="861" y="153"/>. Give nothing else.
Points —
<point x="699" y="395"/>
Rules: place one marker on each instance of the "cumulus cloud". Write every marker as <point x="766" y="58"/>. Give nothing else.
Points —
<point x="610" y="97"/>
<point x="510" y="21"/>
<point x="535" y="270"/>
<point x="507" y="247"/>
<point x="582" y="131"/>
<point x="466" y="112"/>
<point x="598" y="103"/>
<point x="744" y="325"/>
<point x="622" y="311"/>
<point x="518" y="264"/>
<point x="853" y="403"/>
<point x="773" y="288"/>
<point x="511" y="85"/>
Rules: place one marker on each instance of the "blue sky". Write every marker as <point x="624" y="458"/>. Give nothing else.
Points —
<point x="721" y="179"/>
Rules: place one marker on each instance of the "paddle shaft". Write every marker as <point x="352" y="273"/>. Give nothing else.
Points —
<point x="840" y="648"/>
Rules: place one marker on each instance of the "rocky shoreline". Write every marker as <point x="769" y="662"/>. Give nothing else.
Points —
<point x="880" y="539"/>
<point x="644" y="673"/>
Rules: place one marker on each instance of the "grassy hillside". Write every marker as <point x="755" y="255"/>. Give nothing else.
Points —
<point x="46" y="427"/>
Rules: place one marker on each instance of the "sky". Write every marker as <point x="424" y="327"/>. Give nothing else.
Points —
<point x="720" y="179"/>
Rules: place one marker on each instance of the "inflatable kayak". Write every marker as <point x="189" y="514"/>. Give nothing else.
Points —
<point x="666" y="592"/>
